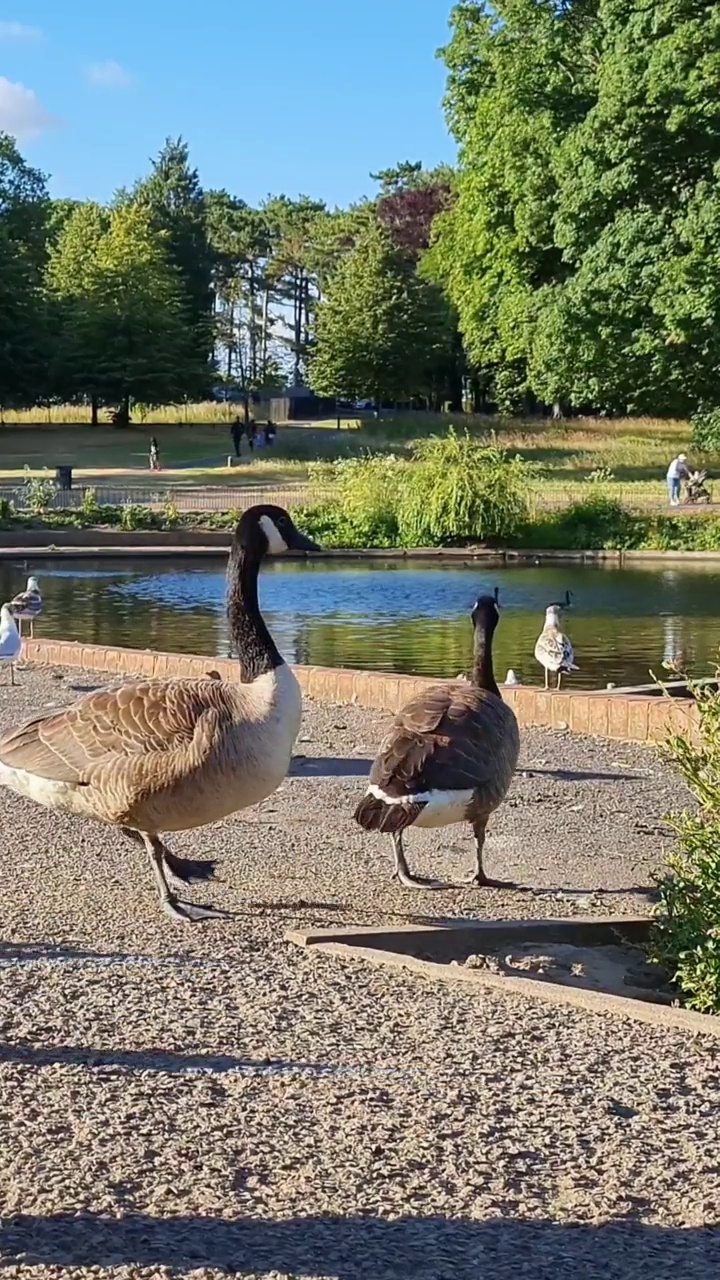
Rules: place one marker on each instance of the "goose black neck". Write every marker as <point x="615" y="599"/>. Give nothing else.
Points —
<point x="483" y="672"/>
<point x="255" y="647"/>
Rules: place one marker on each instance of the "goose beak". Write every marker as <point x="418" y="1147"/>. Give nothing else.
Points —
<point x="300" y="542"/>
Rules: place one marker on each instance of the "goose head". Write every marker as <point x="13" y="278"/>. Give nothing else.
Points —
<point x="267" y="530"/>
<point x="486" y="613"/>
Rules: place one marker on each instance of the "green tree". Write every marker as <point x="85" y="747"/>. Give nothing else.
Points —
<point x="521" y="75"/>
<point x="637" y="219"/>
<point x="380" y="328"/>
<point x="124" y="331"/>
<point x="23" y="329"/>
<point x="174" y="196"/>
<point x="296" y="231"/>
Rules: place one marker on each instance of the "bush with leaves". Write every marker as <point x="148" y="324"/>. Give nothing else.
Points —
<point x="367" y="493"/>
<point x="462" y="490"/>
<point x="686" y="936"/>
<point x="706" y="430"/>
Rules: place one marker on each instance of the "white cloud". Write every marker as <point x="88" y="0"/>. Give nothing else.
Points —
<point x="21" y="111"/>
<point x="108" y="75"/>
<point x="18" y="31"/>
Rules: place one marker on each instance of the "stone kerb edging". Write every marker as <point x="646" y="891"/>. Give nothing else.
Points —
<point x="632" y="718"/>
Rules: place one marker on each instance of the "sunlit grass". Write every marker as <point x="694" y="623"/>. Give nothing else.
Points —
<point x="195" y="442"/>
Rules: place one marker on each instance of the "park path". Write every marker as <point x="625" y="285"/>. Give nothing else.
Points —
<point x="188" y="1103"/>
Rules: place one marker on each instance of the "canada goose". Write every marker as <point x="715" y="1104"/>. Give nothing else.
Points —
<point x="553" y="649"/>
<point x="10" y="641"/>
<point x="28" y="605"/>
<point x="170" y="755"/>
<point x="449" y="757"/>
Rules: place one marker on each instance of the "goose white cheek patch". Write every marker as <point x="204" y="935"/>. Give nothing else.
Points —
<point x="276" y="543"/>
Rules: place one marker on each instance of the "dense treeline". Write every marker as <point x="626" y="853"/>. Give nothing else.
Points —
<point x="571" y="259"/>
<point x="583" y="250"/>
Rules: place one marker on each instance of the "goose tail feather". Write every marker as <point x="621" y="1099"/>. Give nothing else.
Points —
<point x="374" y="814"/>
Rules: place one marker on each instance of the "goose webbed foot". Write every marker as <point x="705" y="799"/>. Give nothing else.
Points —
<point x="189" y="912"/>
<point x="179" y="871"/>
<point x="478" y="880"/>
<point x="403" y="874"/>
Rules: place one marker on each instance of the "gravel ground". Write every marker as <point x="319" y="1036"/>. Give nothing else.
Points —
<point x="192" y="1101"/>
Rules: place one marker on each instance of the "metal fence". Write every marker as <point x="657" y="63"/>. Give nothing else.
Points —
<point x="208" y="498"/>
<point x="239" y="497"/>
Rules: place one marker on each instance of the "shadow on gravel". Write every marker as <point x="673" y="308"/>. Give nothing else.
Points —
<point x="577" y="775"/>
<point x="329" y="767"/>
<point x="161" y="1060"/>
<point x="367" y="1248"/>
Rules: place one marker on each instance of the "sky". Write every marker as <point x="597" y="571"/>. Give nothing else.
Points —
<point x="293" y="96"/>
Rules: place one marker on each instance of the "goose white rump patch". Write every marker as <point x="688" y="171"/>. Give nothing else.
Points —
<point x="45" y="791"/>
<point x="442" y="808"/>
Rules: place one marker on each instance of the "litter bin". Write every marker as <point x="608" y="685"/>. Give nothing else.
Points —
<point x="63" y="477"/>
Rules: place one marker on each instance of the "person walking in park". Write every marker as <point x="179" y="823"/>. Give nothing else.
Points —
<point x="154" y="454"/>
<point x="251" y="434"/>
<point x="237" y="431"/>
<point x="676" y="472"/>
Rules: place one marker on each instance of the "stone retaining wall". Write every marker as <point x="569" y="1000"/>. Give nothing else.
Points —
<point x="626" y="717"/>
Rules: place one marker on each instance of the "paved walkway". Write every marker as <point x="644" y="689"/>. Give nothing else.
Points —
<point x="196" y="1102"/>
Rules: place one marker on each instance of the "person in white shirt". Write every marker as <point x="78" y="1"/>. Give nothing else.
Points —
<point x="677" y="471"/>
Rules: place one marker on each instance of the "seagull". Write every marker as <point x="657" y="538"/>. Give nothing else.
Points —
<point x="511" y="678"/>
<point x="28" y="604"/>
<point x="553" y="650"/>
<point x="10" y="642"/>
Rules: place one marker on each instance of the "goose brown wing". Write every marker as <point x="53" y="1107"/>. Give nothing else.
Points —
<point x="446" y="740"/>
<point x="128" y="722"/>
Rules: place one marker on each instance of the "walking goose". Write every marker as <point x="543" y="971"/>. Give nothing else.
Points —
<point x="10" y="641"/>
<point x="449" y="757"/>
<point x="27" y="606"/>
<point x="553" y="649"/>
<point x="170" y="755"/>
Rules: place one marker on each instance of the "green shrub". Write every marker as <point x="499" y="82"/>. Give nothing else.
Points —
<point x="7" y="512"/>
<point x="89" y="507"/>
<point x="37" y="493"/>
<point x="686" y="936"/>
<point x="367" y="493"/>
<point x="706" y="430"/>
<point x="462" y="490"/>
<point x="598" y="524"/>
<point x="133" y="517"/>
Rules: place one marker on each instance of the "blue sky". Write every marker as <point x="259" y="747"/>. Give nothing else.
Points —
<point x="284" y="95"/>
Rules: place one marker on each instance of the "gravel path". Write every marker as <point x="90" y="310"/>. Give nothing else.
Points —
<point x="192" y="1102"/>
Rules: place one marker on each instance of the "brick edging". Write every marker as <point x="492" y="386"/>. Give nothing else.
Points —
<point x="633" y="718"/>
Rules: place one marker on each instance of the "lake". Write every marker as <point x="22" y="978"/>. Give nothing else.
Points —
<point x="391" y="616"/>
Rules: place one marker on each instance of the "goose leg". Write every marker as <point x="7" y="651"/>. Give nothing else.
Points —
<point x="405" y="877"/>
<point x="169" y="903"/>
<point x="179" y="872"/>
<point x="479" y="878"/>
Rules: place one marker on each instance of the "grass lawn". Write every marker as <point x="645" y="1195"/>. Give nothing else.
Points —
<point x="635" y="451"/>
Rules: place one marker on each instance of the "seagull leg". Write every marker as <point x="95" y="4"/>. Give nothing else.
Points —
<point x="405" y="877"/>
<point x="169" y="903"/>
<point x="547" y="678"/>
<point x="479" y="878"/>
<point x="32" y="628"/>
<point x="559" y="678"/>
<point x="12" y="673"/>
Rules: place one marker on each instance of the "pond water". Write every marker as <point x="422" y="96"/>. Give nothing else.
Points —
<point x="392" y="616"/>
